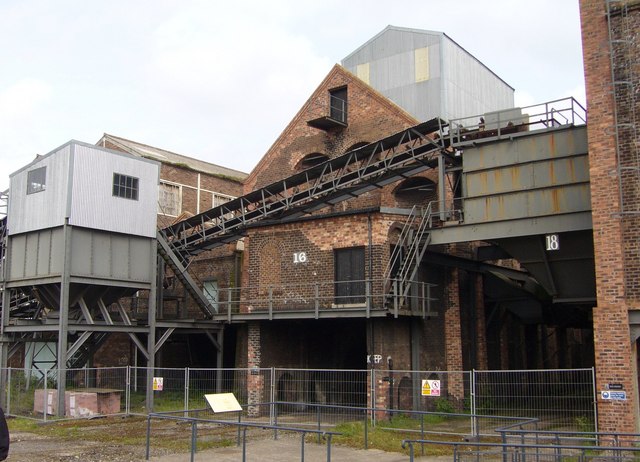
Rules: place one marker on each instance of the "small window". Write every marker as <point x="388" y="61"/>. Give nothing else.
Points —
<point x="169" y="199"/>
<point x="125" y="186"/>
<point x="37" y="180"/>
<point x="219" y="199"/>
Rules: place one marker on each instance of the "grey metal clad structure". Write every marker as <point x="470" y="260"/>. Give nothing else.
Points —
<point x="428" y="74"/>
<point x="79" y="186"/>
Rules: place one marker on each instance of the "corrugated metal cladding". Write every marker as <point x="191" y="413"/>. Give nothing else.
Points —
<point x="470" y="88"/>
<point x="37" y="254"/>
<point x="45" y="208"/>
<point x="93" y="204"/>
<point x="117" y="257"/>
<point x="428" y="74"/>
<point x="94" y="254"/>
<point x="542" y="175"/>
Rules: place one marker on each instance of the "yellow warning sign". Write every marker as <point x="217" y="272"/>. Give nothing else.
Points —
<point x="158" y="384"/>
<point x="431" y="388"/>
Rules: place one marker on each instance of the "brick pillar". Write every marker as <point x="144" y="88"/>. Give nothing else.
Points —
<point x="482" y="361"/>
<point x="504" y="343"/>
<point x="255" y="381"/>
<point x="613" y="347"/>
<point x="453" y="338"/>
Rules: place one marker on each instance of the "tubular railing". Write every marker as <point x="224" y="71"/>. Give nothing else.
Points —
<point x="366" y="294"/>
<point x="509" y="122"/>
<point x="242" y="428"/>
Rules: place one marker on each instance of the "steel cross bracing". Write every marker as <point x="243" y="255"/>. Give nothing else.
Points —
<point x="372" y="166"/>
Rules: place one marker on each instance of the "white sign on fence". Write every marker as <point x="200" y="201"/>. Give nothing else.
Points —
<point x="158" y="384"/>
<point x="223" y="402"/>
<point x="431" y="388"/>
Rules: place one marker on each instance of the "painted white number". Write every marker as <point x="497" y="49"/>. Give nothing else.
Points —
<point x="300" y="257"/>
<point x="553" y="242"/>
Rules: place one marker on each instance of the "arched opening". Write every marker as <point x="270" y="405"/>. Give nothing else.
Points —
<point x="311" y="160"/>
<point x="355" y="146"/>
<point x="416" y="190"/>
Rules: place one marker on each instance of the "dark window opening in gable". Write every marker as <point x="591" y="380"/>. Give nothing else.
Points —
<point x="416" y="190"/>
<point x="125" y="186"/>
<point x="311" y="160"/>
<point x="338" y="104"/>
<point x="37" y="180"/>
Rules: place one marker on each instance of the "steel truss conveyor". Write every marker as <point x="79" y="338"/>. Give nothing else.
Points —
<point x="375" y="165"/>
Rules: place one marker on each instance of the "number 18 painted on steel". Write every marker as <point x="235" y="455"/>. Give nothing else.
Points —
<point x="553" y="241"/>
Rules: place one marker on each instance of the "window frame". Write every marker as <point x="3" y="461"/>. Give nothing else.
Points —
<point x="37" y="180"/>
<point x="130" y="189"/>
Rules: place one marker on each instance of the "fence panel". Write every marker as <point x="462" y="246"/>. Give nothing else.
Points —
<point x="562" y="399"/>
<point x="324" y="396"/>
<point x="89" y="392"/>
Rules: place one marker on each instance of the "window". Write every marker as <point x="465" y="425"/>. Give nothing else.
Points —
<point x="125" y="186"/>
<point x="338" y="104"/>
<point x="210" y="289"/>
<point x="37" y="180"/>
<point x="169" y="199"/>
<point x="219" y="199"/>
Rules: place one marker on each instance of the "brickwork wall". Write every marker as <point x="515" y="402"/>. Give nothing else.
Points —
<point x="453" y="336"/>
<point x="613" y="355"/>
<point x="255" y="382"/>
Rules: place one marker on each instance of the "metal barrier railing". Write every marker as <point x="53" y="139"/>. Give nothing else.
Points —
<point x="509" y="122"/>
<point x="242" y="428"/>
<point x="517" y="452"/>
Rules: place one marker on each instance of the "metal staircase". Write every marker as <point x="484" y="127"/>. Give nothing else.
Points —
<point x="407" y="254"/>
<point x="179" y="263"/>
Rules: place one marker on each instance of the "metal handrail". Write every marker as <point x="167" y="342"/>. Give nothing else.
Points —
<point x="242" y="428"/>
<point x="522" y="448"/>
<point x="563" y="112"/>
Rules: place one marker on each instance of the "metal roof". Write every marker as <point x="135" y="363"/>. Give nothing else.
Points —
<point x="168" y="157"/>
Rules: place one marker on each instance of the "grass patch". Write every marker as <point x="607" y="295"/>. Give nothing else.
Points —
<point x="386" y="439"/>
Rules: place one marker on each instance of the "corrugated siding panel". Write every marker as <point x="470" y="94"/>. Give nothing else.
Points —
<point x="44" y="209"/>
<point x="93" y="205"/>
<point x="469" y="87"/>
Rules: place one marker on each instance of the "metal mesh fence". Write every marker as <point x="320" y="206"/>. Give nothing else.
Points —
<point x="466" y="403"/>
<point x="561" y="399"/>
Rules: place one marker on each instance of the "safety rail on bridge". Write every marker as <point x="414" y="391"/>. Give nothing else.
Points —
<point x="322" y="299"/>
<point x="512" y="122"/>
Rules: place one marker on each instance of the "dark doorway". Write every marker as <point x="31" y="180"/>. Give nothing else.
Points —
<point x="349" y="275"/>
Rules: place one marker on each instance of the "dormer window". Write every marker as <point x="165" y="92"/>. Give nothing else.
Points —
<point x="332" y="112"/>
<point x="338" y="104"/>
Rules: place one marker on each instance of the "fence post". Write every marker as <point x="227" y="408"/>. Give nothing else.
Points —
<point x="272" y="395"/>
<point x="595" y="399"/>
<point x="186" y="389"/>
<point x="127" y="392"/>
<point x="8" y="404"/>
<point x="475" y="431"/>
<point x="44" y="397"/>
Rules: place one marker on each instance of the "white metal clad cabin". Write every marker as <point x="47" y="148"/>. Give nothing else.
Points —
<point x="428" y="74"/>
<point x="109" y="201"/>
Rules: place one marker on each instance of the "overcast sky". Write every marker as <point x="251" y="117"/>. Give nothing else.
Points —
<point x="220" y="80"/>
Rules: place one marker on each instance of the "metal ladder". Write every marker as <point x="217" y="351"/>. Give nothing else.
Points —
<point x="407" y="254"/>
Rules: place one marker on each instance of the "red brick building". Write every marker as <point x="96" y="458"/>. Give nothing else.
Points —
<point x="612" y="66"/>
